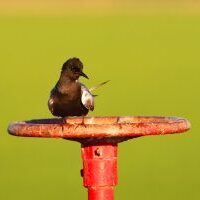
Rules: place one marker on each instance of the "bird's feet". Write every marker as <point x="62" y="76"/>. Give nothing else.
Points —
<point x="83" y="121"/>
<point x="64" y="120"/>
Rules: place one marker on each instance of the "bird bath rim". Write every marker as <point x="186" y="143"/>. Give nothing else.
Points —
<point x="111" y="129"/>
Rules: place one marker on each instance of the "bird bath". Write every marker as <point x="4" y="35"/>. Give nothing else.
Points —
<point x="99" y="137"/>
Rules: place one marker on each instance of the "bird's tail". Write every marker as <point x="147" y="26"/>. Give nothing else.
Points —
<point x="98" y="86"/>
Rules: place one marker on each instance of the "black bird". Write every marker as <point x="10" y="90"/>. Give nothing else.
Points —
<point x="70" y="97"/>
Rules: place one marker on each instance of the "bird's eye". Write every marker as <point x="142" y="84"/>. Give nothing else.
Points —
<point x="75" y="69"/>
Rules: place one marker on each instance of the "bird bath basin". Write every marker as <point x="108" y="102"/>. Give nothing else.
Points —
<point x="99" y="137"/>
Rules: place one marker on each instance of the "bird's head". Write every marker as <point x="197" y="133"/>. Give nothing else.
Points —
<point x="73" y="68"/>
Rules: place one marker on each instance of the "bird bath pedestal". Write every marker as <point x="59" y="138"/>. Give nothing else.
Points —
<point x="99" y="137"/>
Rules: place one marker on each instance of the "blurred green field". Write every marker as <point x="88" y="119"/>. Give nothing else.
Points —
<point x="153" y="63"/>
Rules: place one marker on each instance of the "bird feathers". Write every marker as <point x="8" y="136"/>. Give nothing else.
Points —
<point x="87" y="98"/>
<point x="98" y="86"/>
<point x="70" y="97"/>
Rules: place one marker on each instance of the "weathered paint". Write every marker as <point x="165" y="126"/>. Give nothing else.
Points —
<point x="99" y="137"/>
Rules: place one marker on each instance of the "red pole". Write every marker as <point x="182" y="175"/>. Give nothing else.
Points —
<point x="100" y="170"/>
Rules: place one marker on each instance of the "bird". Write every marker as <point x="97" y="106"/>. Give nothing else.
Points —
<point x="70" y="97"/>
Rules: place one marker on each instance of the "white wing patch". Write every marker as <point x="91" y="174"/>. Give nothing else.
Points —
<point x="50" y="101"/>
<point x="50" y="104"/>
<point x="87" y="99"/>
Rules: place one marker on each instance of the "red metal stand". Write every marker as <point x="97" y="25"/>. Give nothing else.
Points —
<point x="99" y="137"/>
<point x="100" y="171"/>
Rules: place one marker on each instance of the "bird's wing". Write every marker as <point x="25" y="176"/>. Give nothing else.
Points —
<point x="50" y="104"/>
<point x="98" y="86"/>
<point x="87" y="98"/>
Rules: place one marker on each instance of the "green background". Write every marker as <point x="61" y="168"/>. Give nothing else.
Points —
<point x="152" y="60"/>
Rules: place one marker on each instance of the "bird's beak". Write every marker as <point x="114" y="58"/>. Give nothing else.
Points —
<point x="84" y="75"/>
